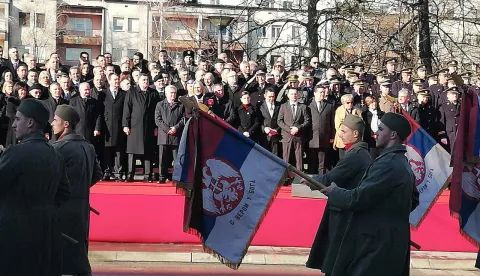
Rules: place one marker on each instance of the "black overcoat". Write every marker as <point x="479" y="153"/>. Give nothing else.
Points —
<point x="139" y="116"/>
<point x="90" y="111"/>
<point x="250" y="121"/>
<point x="114" y="135"/>
<point x="33" y="185"/>
<point x="83" y="171"/>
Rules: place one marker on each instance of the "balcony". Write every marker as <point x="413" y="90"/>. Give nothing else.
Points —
<point x="80" y="37"/>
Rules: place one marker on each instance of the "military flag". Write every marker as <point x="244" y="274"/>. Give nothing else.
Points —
<point x="232" y="182"/>
<point x="431" y="165"/>
<point x="465" y="187"/>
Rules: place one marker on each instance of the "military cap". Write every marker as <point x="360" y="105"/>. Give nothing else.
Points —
<point x="351" y="74"/>
<point x="189" y="53"/>
<point x="219" y="61"/>
<point x="380" y="73"/>
<point x="442" y="71"/>
<point x="34" y="109"/>
<point x="323" y="83"/>
<point x="335" y="80"/>
<point x="386" y="83"/>
<point x="354" y="123"/>
<point x="453" y="89"/>
<point x="358" y="64"/>
<point x="260" y="72"/>
<point x="35" y="86"/>
<point x="359" y="83"/>
<point x="423" y="92"/>
<point x="467" y="74"/>
<point x="293" y="78"/>
<point x="307" y="76"/>
<point x="157" y="77"/>
<point x="391" y="61"/>
<point x="417" y="82"/>
<point x="432" y="76"/>
<point x="421" y="67"/>
<point x="343" y="66"/>
<point x="68" y="113"/>
<point x="398" y="123"/>
<point x="452" y="63"/>
<point x="406" y="70"/>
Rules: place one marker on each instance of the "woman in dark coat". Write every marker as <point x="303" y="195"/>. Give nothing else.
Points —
<point x="19" y="93"/>
<point x="371" y="117"/>
<point x="6" y="76"/>
<point x="249" y="119"/>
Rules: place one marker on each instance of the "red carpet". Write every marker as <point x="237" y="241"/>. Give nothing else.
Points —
<point x="153" y="213"/>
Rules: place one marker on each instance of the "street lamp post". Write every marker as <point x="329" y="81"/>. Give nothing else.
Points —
<point x="221" y="22"/>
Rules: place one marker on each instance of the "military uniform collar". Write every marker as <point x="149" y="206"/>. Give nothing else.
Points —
<point x="394" y="149"/>
<point x="33" y="136"/>
<point x="357" y="145"/>
<point x="73" y="137"/>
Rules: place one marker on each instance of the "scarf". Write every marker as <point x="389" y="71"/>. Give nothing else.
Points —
<point x="246" y="106"/>
<point x="375" y="121"/>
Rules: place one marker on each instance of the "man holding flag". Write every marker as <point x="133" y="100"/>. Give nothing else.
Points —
<point x="376" y="240"/>
<point x="346" y="174"/>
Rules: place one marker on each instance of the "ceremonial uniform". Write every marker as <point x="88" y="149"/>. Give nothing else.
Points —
<point x="448" y="122"/>
<point x="83" y="171"/>
<point x="346" y="174"/>
<point x="428" y="119"/>
<point x="376" y="240"/>
<point x="399" y="85"/>
<point x="33" y="185"/>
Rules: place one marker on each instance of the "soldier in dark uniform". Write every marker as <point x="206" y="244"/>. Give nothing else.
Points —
<point x="417" y="85"/>
<point x="421" y="71"/>
<point x="359" y="95"/>
<point x="435" y="89"/>
<point x="427" y="113"/>
<point x="75" y="214"/>
<point x="449" y="117"/>
<point x="335" y="92"/>
<point x="405" y="82"/>
<point x="33" y="185"/>
<point x="467" y="80"/>
<point x="391" y="65"/>
<point x="375" y="88"/>
<point x="189" y="58"/>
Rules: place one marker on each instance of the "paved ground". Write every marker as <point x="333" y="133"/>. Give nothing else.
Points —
<point x="177" y="269"/>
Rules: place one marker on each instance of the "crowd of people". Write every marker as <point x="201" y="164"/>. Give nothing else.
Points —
<point x="131" y="111"/>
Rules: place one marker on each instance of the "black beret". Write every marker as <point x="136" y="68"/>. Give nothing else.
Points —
<point x="157" y="77"/>
<point x="35" y="86"/>
<point x="398" y="123"/>
<point x="33" y="108"/>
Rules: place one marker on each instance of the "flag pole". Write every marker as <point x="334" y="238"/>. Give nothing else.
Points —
<point x="305" y="176"/>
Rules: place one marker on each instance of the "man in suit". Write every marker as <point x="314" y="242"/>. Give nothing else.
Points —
<point x="323" y="130"/>
<point x="293" y="119"/>
<point x="223" y="107"/>
<point x="163" y="64"/>
<point x="13" y="61"/>
<point x="405" y="104"/>
<point x="257" y="88"/>
<point x="405" y="82"/>
<point x="98" y="89"/>
<point x="91" y="121"/>
<point x="55" y="99"/>
<point x="108" y="62"/>
<point x="181" y="85"/>
<point x="139" y="125"/>
<point x="270" y="129"/>
<point x="115" y="138"/>
<point x="169" y="118"/>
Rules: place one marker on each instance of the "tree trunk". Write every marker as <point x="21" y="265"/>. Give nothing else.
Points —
<point x="312" y="29"/>
<point x="425" y="48"/>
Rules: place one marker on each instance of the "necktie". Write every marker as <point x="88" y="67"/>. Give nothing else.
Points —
<point x="114" y="94"/>
<point x="293" y="110"/>
<point x="185" y="86"/>
<point x="271" y="110"/>
<point x="319" y="106"/>
<point x="171" y="105"/>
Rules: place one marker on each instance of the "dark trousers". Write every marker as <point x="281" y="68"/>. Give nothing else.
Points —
<point x="166" y="154"/>
<point x="296" y="148"/>
<point x="115" y="160"/>
<point x="317" y="161"/>
<point x="147" y="163"/>
<point x="273" y="146"/>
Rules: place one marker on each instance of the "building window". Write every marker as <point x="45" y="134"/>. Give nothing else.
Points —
<point x="214" y="2"/>
<point x="118" y="23"/>
<point x="80" y="26"/>
<point x="276" y="31"/>
<point x="24" y="19"/>
<point x="296" y="32"/>
<point x="131" y="52"/>
<point x="116" y="54"/>
<point x="40" y="20"/>
<point x="262" y="32"/>
<point x="273" y="59"/>
<point x="287" y="4"/>
<point x="72" y="54"/>
<point x="133" y="25"/>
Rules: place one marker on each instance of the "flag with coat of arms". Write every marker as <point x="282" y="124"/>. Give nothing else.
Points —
<point x="230" y="181"/>
<point x="430" y="163"/>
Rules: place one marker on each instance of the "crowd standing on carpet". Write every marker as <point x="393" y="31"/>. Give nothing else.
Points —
<point x="311" y="117"/>
<point x="131" y="111"/>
